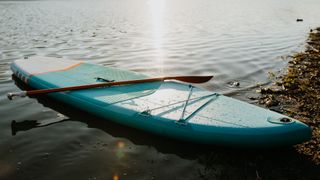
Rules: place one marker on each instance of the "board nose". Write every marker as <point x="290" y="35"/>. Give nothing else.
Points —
<point x="39" y="65"/>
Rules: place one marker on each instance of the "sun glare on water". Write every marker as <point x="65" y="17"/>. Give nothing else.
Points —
<point x="157" y="12"/>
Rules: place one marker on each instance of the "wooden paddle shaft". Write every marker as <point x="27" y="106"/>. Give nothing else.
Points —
<point x="189" y="79"/>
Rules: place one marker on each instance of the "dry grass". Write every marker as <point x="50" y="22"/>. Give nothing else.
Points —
<point x="297" y="93"/>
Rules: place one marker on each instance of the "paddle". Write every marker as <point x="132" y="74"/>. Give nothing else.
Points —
<point x="188" y="79"/>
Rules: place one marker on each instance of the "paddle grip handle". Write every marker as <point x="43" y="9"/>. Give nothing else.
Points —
<point x="16" y="94"/>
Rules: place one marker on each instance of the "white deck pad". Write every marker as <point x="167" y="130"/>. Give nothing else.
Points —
<point x="39" y="65"/>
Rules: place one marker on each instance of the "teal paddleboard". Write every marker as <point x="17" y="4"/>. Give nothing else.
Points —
<point x="168" y="108"/>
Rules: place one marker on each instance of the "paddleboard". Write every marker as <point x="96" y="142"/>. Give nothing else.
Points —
<point x="170" y="108"/>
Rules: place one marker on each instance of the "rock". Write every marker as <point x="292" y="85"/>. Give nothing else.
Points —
<point x="234" y="84"/>
<point x="271" y="102"/>
<point x="272" y="90"/>
<point x="276" y="109"/>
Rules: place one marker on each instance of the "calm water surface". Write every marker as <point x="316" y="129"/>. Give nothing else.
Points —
<point x="233" y="40"/>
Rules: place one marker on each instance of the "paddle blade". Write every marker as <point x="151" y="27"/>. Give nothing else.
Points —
<point x="191" y="79"/>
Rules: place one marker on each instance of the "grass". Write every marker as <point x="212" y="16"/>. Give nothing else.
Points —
<point x="297" y="93"/>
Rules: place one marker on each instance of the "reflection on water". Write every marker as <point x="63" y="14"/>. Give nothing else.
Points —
<point x="133" y="155"/>
<point x="124" y="152"/>
<point x="237" y="42"/>
<point x="115" y="177"/>
<point x="23" y="126"/>
<point x="157" y="11"/>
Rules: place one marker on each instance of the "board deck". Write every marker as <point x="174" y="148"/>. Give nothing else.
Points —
<point x="158" y="107"/>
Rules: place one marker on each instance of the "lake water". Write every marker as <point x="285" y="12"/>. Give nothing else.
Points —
<point x="236" y="41"/>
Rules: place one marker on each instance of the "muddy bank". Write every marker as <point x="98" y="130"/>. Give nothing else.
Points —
<point x="296" y="93"/>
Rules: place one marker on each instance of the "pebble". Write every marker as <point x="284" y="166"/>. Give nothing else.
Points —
<point x="234" y="84"/>
<point x="271" y="102"/>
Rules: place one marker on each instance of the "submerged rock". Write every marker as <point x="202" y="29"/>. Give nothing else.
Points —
<point x="234" y="84"/>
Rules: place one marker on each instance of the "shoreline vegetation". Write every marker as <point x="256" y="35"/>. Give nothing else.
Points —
<point x="297" y="93"/>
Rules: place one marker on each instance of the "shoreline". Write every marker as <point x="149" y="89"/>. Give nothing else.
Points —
<point x="297" y="93"/>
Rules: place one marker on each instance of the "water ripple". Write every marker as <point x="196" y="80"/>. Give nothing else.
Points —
<point x="230" y="40"/>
